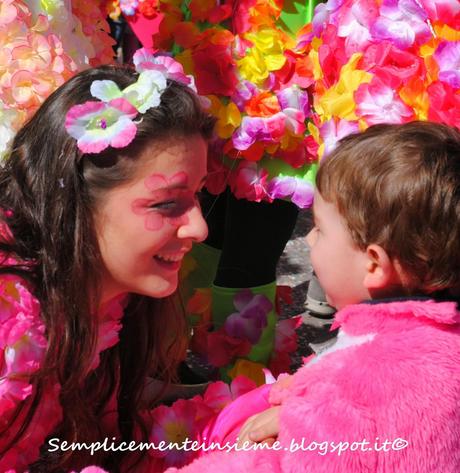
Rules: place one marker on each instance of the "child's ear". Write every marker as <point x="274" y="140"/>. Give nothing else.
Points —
<point x="379" y="268"/>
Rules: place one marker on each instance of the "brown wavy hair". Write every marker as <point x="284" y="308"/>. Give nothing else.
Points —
<point x="399" y="186"/>
<point x="53" y="191"/>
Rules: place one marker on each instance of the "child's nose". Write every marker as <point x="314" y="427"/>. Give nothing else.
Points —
<point x="310" y="238"/>
<point x="195" y="228"/>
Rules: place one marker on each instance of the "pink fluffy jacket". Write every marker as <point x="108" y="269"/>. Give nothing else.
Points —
<point x="384" y="399"/>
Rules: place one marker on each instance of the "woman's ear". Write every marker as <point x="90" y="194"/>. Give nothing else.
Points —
<point x="380" y="270"/>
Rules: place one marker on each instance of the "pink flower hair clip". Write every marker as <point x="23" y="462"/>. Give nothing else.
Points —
<point x="110" y="121"/>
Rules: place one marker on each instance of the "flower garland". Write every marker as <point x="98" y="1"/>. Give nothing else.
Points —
<point x="388" y="61"/>
<point x="257" y="81"/>
<point x="42" y="46"/>
<point x="22" y="349"/>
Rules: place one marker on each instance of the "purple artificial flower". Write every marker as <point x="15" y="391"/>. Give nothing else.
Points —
<point x="299" y="190"/>
<point x="403" y="22"/>
<point x="244" y="91"/>
<point x="251" y="317"/>
<point x="447" y="55"/>
<point x="296" y="98"/>
<point x="265" y="130"/>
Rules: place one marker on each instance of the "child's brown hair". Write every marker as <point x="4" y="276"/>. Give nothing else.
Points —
<point x="399" y="186"/>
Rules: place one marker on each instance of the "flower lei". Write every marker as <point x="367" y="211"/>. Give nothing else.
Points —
<point x="22" y="348"/>
<point x="257" y="81"/>
<point x="389" y="61"/>
<point x="97" y="125"/>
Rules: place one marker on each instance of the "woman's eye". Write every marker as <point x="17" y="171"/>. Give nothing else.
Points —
<point x="167" y="205"/>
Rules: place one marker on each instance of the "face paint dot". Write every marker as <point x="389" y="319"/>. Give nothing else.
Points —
<point x="103" y="124"/>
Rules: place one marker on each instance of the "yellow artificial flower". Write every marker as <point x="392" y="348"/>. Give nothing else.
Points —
<point x="266" y="55"/>
<point x="338" y="101"/>
<point x="228" y="119"/>
<point x="250" y="369"/>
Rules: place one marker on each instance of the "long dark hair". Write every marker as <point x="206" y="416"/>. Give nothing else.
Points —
<point x="49" y="191"/>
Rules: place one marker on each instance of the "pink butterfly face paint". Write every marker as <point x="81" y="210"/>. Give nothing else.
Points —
<point x="169" y="203"/>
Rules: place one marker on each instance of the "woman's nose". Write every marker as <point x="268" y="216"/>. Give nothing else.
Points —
<point x="195" y="228"/>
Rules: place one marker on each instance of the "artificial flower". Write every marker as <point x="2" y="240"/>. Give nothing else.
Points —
<point x="300" y="191"/>
<point x="97" y="125"/>
<point x="249" y="369"/>
<point x="145" y="61"/>
<point x="379" y="103"/>
<point x="174" y="425"/>
<point x="447" y="56"/>
<point x="222" y="348"/>
<point x="220" y="394"/>
<point x="249" y="182"/>
<point x="403" y="22"/>
<point x="251" y="316"/>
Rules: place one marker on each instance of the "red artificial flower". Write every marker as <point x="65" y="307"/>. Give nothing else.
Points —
<point x="393" y="66"/>
<point x="332" y="55"/>
<point x="444" y="104"/>
<point x="215" y="70"/>
<point x="148" y="8"/>
<point x="297" y="70"/>
<point x="222" y="349"/>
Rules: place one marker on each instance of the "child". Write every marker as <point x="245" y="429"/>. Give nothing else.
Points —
<point x="385" y="246"/>
<point x="98" y="206"/>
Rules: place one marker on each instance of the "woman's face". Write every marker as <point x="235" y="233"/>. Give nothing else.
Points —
<point x="146" y="226"/>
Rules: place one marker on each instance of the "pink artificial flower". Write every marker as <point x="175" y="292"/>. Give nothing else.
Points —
<point x="286" y="335"/>
<point x="294" y="98"/>
<point x="332" y="55"/>
<point x="299" y="190"/>
<point x="174" y="425"/>
<point x="334" y="130"/>
<point x="447" y="55"/>
<point x="98" y="125"/>
<point x="378" y="103"/>
<point x="444" y="104"/>
<point x="220" y="394"/>
<point x="109" y="326"/>
<point x="260" y="129"/>
<point x="22" y="342"/>
<point x="251" y="316"/>
<point x="392" y="65"/>
<point x="249" y="181"/>
<point x="354" y="24"/>
<point x="92" y="469"/>
<point x="403" y="22"/>
<point x="172" y="69"/>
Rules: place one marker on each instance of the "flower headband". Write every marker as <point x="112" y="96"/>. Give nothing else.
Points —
<point x="97" y="125"/>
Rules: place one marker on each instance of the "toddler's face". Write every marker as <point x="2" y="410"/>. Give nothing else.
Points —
<point x="146" y="226"/>
<point x="338" y="263"/>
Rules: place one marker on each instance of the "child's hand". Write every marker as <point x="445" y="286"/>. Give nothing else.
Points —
<point x="261" y="428"/>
